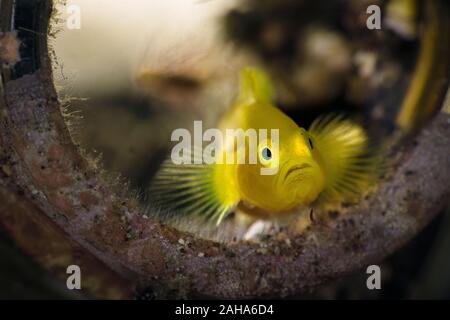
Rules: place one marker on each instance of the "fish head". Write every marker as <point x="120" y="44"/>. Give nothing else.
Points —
<point x="286" y="174"/>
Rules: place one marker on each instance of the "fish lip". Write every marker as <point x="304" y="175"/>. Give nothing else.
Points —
<point x="293" y="169"/>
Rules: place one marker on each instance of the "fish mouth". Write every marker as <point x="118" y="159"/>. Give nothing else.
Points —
<point x="296" y="168"/>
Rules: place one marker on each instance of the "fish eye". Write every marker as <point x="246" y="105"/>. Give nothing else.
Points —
<point x="266" y="154"/>
<point x="310" y="143"/>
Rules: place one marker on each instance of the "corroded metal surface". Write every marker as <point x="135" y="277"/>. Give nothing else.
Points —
<point x="40" y="162"/>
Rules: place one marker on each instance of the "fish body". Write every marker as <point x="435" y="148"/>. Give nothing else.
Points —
<point x="328" y="161"/>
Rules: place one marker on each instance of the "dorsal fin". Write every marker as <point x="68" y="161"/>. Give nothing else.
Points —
<point x="255" y="86"/>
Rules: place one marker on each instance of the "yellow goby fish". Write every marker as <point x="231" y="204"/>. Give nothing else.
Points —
<point x="327" y="162"/>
